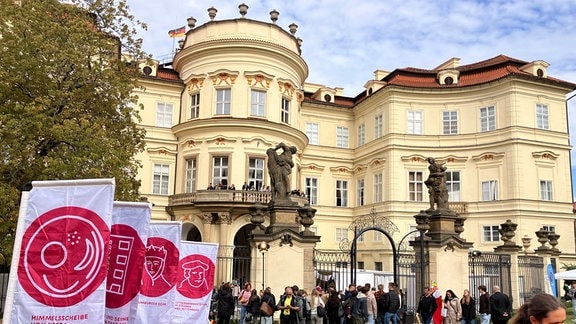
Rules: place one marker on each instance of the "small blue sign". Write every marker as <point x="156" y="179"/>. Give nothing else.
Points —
<point x="550" y="272"/>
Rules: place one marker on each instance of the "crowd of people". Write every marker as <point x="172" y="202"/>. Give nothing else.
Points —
<point x="371" y="305"/>
<point x="356" y="305"/>
<point x="541" y="309"/>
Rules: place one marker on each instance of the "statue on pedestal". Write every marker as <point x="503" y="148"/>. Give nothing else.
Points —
<point x="436" y="184"/>
<point x="279" y="168"/>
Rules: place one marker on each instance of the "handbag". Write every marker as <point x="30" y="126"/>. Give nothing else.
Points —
<point x="321" y="311"/>
<point x="266" y="309"/>
<point x="248" y="317"/>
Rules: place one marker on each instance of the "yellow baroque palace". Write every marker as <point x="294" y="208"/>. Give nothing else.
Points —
<point x="237" y="87"/>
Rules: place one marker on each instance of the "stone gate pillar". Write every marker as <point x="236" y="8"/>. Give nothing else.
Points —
<point x="289" y="259"/>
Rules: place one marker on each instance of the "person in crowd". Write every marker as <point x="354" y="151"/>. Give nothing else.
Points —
<point x="253" y="306"/>
<point x="225" y="307"/>
<point x="379" y="294"/>
<point x="268" y="298"/>
<point x="359" y="308"/>
<point x="305" y="317"/>
<point x="232" y="187"/>
<point x="403" y="308"/>
<point x="288" y="307"/>
<point x="468" y="305"/>
<point x="572" y="295"/>
<point x="453" y="307"/>
<point x="245" y="186"/>
<point x="426" y="306"/>
<point x="315" y="303"/>
<point x="391" y="304"/>
<point x="541" y="309"/>
<point x="243" y="299"/>
<point x="349" y="292"/>
<point x="372" y="306"/>
<point x="484" y="305"/>
<point x="334" y="309"/>
<point x="500" y="306"/>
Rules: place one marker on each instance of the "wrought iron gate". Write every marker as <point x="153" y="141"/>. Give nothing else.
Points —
<point x="531" y="274"/>
<point x="233" y="264"/>
<point x="489" y="269"/>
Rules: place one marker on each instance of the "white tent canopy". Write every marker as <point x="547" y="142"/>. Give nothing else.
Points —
<point x="566" y="275"/>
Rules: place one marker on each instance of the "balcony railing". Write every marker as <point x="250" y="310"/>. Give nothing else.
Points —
<point x="459" y="207"/>
<point x="263" y="197"/>
<point x="227" y="196"/>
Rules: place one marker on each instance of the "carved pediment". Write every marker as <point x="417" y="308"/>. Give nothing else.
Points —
<point x="223" y="77"/>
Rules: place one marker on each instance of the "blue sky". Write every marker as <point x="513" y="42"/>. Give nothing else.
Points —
<point x="345" y="41"/>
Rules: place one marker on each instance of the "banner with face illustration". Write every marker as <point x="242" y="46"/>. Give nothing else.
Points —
<point x="156" y="298"/>
<point x="130" y="225"/>
<point x="63" y="254"/>
<point x="195" y="281"/>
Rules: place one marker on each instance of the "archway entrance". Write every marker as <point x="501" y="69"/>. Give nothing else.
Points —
<point x="369" y="254"/>
<point x="191" y="233"/>
<point x="376" y="255"/>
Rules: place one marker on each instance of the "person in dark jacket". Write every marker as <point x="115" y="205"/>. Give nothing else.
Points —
<point x="468" y="308"/>
<point x="225" y="308"/>
<point x="391" y="304"/>
<point x="268" y="298"/>
<point x="500" y="306"/>
<point x="484" y="305"/>
<point x="334" y="309"/>
<point x="427" y="306"/>
<point x="253" y="306"/>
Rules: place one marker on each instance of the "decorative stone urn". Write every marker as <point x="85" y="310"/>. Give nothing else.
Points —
<point x="542" y="235"/>
<point x="306" y="218"/>
<point x="508" y="231"/>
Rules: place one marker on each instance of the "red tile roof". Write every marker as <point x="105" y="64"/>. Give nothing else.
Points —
<point x="481" y="72"/>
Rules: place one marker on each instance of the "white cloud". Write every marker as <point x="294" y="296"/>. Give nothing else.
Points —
<point x="345" y="41"/>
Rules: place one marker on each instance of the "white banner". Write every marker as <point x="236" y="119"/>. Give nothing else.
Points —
<point x="156" y="298"/>
<point x="195" y="282"/>
<point x="130" y="226"/>
<point x="64" y="252"/>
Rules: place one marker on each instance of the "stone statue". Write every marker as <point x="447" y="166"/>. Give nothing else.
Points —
<point x="279" y="168"/>
<point x="436" y="184"/>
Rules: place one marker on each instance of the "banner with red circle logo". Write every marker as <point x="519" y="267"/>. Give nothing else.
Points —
<point x="160" y="274"/>
<point x="130" y="225"/>
<point x="63" y="255"/>
<point x="195" y="281"/>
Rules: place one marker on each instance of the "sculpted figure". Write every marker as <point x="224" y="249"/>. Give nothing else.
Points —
<point x="436" y="184"/>
<point x="280" y="167"/>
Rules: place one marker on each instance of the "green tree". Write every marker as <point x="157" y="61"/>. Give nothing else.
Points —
<point x="66" y="103"/>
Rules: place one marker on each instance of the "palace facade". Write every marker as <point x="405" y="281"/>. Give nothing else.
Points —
<point x="237" y="87"/>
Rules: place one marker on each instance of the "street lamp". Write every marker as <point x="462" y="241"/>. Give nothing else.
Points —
<point x="263" y="247"/>
<point x="472" y="255"/>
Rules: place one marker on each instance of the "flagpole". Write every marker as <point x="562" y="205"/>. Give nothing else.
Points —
<point x="173" y="47"/>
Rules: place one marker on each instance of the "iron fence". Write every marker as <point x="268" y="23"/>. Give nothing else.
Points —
<point x="489" y="269"/>
<point x="531" y="274"/>
<point x="233" y="264"/>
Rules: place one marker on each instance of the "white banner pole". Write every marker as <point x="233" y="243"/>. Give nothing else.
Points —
<point x="15" y="258"/>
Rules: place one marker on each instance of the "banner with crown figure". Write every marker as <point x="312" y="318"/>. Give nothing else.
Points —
<point x="156" y="298"/>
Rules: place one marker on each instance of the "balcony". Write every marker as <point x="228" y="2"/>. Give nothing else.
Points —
<point x="220" y="196"/>
<point x="459" y="207"/>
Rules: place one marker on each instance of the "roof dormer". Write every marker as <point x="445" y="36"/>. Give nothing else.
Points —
<point x="448" y="77"/>
<point x="536" y="68"/>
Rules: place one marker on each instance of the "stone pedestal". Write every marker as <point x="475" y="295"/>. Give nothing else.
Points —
<point x="289" y="259"/>
<point x="447" y="251"/>
<point x="283" y="218"/>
